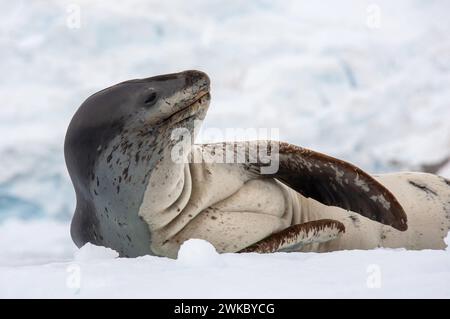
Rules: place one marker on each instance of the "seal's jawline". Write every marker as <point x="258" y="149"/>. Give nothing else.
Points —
<point x="187" y="108"/>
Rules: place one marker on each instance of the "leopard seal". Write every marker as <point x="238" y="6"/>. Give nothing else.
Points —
<point x="133" y="197"/>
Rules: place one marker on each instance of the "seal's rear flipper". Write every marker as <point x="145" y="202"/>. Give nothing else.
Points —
<point x="318" y="231"/>
<point x="337" y="183"/>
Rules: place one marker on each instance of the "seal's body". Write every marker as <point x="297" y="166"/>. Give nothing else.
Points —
<point x="233" y="209"/>
<point x="135" y="197"/>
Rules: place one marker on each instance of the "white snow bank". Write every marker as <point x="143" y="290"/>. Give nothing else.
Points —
<point x="34" y="242"/>
<point x="49" y="271"/>
<point x="90" y="252"/>
<point x="445" y="171"/>
<point x="198" y="253"/>
<point x="447" y="241"/>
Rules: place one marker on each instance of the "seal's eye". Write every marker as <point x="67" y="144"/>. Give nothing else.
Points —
<point x="150" y="99"/>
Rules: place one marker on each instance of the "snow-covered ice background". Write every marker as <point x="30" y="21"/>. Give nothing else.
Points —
<point x="367" y="81"/>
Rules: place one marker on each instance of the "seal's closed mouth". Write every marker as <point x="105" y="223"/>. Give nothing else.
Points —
<point x="191" y="110"/>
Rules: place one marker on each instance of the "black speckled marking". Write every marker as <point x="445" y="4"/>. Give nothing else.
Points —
<point x="423" y="187"/>
<point x="355" y="220"/>
<point x="446" y="181"/>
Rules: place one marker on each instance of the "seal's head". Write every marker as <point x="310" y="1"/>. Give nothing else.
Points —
<point x="114" y="140"/>
<point x="141" y="104"/>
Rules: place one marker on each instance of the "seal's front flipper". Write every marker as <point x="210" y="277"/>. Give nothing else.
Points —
<point x="337" y="183"/>
<point x="318" y="231"/>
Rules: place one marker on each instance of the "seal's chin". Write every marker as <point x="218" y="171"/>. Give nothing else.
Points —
<point x="195" y="110"/>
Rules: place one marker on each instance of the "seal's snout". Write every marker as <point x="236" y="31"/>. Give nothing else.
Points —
<point x="197" y="80"/>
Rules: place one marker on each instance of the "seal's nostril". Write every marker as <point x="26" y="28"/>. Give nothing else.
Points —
<point x="151" y="99"/>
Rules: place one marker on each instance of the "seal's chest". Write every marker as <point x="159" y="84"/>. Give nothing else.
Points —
<point x="256" y="210"/>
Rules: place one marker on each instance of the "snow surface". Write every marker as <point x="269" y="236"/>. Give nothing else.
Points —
<point x="90" y="252"/>
<point x="200" y="272"/>
<point x="323" y="73"/>
<point x="198" y="253"/>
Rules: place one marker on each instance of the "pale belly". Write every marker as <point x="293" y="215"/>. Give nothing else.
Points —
<point x="258" y="209"/>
